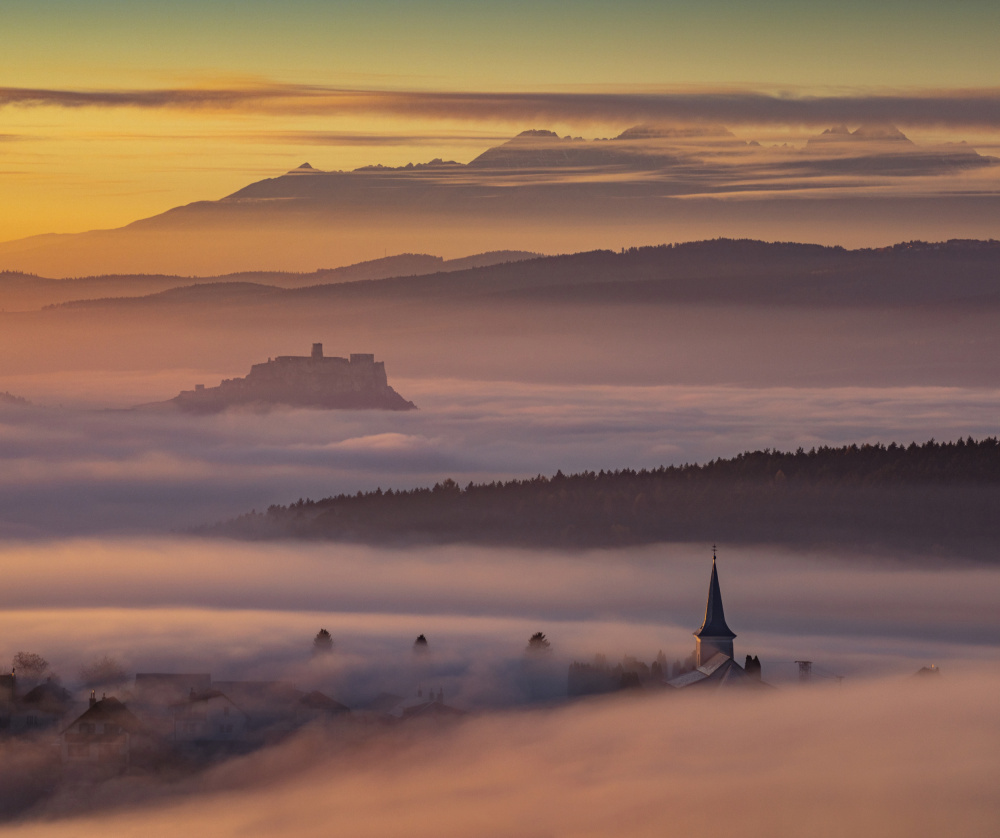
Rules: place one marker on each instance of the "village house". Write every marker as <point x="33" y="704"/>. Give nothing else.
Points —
<point x="422" y="706"/>
<point x="209" y="719"/>
<point x="40" y="709"/>
<point x="107" y="734"/>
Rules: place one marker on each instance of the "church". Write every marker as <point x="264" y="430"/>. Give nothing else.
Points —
<point x="715" y="666"/>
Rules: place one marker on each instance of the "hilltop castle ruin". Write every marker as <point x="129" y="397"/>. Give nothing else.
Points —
<point x="357" y="382"/>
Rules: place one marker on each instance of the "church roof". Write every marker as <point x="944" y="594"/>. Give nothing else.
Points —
<point x="715" y="618"/>
<point x="719" y="670"/>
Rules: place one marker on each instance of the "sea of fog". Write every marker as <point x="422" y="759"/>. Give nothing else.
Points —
<point x="250" y="611"/>
<point x="876" y="751"/>
<point x="71" y="466"/>
<point x="890" y="759"/>
<point x="94" y="504"/>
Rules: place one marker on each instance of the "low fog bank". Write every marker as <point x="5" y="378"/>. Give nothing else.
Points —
<point x="250" y="611"/>
<point x="71" y="470"/>
<point x="896" y="757"/>
<point x="865" y="747"/>
<point x="495" y="337"/>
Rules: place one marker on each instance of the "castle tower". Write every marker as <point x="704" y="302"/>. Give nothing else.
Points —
<point x="714" y="636"/>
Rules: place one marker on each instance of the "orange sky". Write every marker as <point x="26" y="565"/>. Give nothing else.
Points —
<point x="67" y="167"/>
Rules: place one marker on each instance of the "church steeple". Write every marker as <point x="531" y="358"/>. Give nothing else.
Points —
<point x="714" y="636"/>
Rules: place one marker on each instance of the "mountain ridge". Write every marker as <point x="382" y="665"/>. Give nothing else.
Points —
<point x="542" y="192"/>
<point x="21" y="291"/>
<point x="932" y="498"/>
<point x="721" y="271"/>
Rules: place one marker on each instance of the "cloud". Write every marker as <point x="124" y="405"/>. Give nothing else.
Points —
<point x="962" y="108"/>
<point x="78" y="470"/>
<point x="171" y="604"/>
<point x="350" y="138"/>
<point x="887" y="759"/>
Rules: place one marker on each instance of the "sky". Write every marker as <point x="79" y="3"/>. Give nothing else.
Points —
<point x="305" y="74"/>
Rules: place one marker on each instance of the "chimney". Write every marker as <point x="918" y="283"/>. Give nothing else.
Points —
<point x="93" y="697"/>
<point x="317" y="352"/>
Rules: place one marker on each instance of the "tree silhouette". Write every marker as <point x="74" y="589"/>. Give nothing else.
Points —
<point x="538" y="644"/>
<point x="322" y="642"/>
<point x="103" y="672"/>
<point x="941" y="493"/>
<point x="29" y="664"/>
<point x="420" y="645"/>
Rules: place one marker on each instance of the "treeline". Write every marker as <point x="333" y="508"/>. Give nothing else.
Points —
<point x="934" y="498"/>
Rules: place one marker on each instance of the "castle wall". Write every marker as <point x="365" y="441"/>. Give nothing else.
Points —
<point x="305" y="380"/>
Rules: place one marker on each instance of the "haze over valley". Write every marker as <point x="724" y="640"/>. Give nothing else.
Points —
<point x="599" y="435"/>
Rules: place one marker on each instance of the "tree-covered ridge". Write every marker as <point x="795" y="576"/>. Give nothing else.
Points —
<point x="11" y="399"/>
<point x="966" y="460"/>
<point x="935" y="496"/>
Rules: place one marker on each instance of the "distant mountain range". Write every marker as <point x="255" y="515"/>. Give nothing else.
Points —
<point x="540" y="191"/>
<point x="720" y="272"/>
<point x="27" y="292"/>
<point x="721" y="311"/>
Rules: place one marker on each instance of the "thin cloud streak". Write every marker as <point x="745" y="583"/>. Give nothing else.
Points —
<point x="857" y="616"/>
<point x="346" y="138"/>
<point x="961" y="108"/>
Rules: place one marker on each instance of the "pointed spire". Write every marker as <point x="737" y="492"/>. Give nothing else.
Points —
<point x="715" y="618"/>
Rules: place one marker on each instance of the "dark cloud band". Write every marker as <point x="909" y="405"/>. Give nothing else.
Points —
<point x="974" y="108"/>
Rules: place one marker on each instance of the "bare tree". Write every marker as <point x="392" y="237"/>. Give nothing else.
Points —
<point x="29" y="665"/>
<point x="103" y="672"/>
<point x="29" y="668"/>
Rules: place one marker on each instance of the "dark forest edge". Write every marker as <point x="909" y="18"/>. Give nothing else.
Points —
<point x="930" y="499"/>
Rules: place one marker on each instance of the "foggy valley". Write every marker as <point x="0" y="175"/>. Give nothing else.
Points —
<point x="867" y="625"/>
<point x="598" y="436"/>
<point x="575" y="364"/>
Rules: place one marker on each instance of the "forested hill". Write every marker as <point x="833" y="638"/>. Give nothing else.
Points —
<point x="931" y="498"/>
<point x="719" y="272"/>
